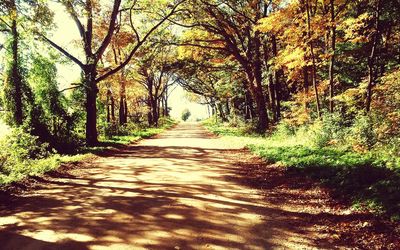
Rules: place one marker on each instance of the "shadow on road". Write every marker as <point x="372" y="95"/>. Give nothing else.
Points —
<point x="160" y="194"/>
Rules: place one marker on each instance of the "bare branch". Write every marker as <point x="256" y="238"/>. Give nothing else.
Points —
<point x="131" y="21"/>
<point x="69" y="88"/>
<point x="196" y="45"/>
<point x="70" y="9"/>
<point x="63" y="51"/>
<point x="5" y="23"/>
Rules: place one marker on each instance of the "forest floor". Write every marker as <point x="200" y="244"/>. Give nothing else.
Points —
<point x="183" y="189"/>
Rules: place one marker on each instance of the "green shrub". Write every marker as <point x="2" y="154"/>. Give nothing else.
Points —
<point x="365" y="179"/>
<point x="284" y="129"/>
<point x="185" y="114"/>
<point x="165" y="122"/>
<point x="362" y="132"/>
<point x="110" y="130"/>
<point x="330" y="130"/>
<point x="18" y="147"/>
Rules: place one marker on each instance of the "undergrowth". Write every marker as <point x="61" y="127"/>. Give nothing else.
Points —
<point x="369" y="179"/>
<point x="23" y="155"/>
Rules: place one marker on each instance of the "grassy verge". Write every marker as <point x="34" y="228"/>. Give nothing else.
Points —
<point x="37" y="167"/>
<point x="368" y="180"/>
<point x="133" y="136"/>
<point x="17" y="164"/>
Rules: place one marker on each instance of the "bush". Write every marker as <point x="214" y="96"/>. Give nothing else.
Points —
<point x="362" y="134"/>
<point x="165" y="122"/>
<point x="185" y="114"/>
<point x="18" y="147"/>
<point x="284" y="129"/>
<point x="365" y="179"/>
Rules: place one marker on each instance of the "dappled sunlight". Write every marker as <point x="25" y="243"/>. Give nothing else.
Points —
<point x="173" y="191"/>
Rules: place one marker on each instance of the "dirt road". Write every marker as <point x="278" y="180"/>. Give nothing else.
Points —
<point x="180" y="190"/>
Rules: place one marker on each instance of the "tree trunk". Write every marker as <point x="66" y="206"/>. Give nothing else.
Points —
<point x="272" y="95"/>
<point x="314" y="67"/>
<point x="112" y="109"/>
<point x="259" y="94"/>
<point x="278" y="85"/>
<point x="332" y="61"/>
<point x="262" y="112"/>
<point x="155" y="111"/>
<point x="166" y="112"/>
<point x="371" y="58"/>
<point x="150" y="113"/>
<point x="108" y="103"/>
<point x="122" y="102"/>
<point x="91" y="110"/>
<point x="16" y="79"/>
<point x="306" y="85"/>
<point x="222" y="114"/>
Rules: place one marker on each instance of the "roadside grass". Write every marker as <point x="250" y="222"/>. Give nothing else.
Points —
<point x="132" y="136"/>
<point x="16" y="162"/>
<point x="369" y="181"/>
<point x="36" y="167"/>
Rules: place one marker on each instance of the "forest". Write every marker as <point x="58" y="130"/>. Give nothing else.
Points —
<point x="310" y="85"/>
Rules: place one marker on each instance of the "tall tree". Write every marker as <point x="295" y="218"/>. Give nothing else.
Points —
<point x="94" y="46"/>
<point x="13" y="14"/>
<point x="232" y="24"/>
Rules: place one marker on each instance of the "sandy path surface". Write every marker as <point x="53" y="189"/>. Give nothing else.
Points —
<point x="180" y="190"/>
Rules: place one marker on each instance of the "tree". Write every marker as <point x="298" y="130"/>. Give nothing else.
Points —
<point x="12" y="13"/>
<point x="232" y="25"/>
<point x="95" y="44"/>
<point x="185" y="114"/>
<point x="156" y="74"/>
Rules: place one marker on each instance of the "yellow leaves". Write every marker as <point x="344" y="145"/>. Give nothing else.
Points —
<point x="195" y="43"/>
<point x="356" y="29"/>
<point x="266" y="25"/>
<point x="292" y="58"/>
<point x="275" y="23"/>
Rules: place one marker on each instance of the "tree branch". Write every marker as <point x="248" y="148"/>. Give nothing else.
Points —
<point x="110" y="31"/>
<point x="196" y="45"/>
<point x="139" y="43"/>
<point x="1" y="19"/>
<point x="70" y="9"/>
<point x="63" y="51"/>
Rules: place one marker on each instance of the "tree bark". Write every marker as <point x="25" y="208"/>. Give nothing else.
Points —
<point x="259" y="94"/>
<point x="91" y="109"/>
<point x="122" y="103"/>
<point x="314" y="67"/>
<point x="108" y="103"/>
<point x="155" y="111"/>
<point x="278" y="86"/>
<point x="332" y="61"/>
<point x="16" y="79"/>
<point x="371" y="58"/>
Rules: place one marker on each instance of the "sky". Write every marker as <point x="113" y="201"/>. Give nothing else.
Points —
<point x="67" y="32"/>
<point x="178" y="102"/>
